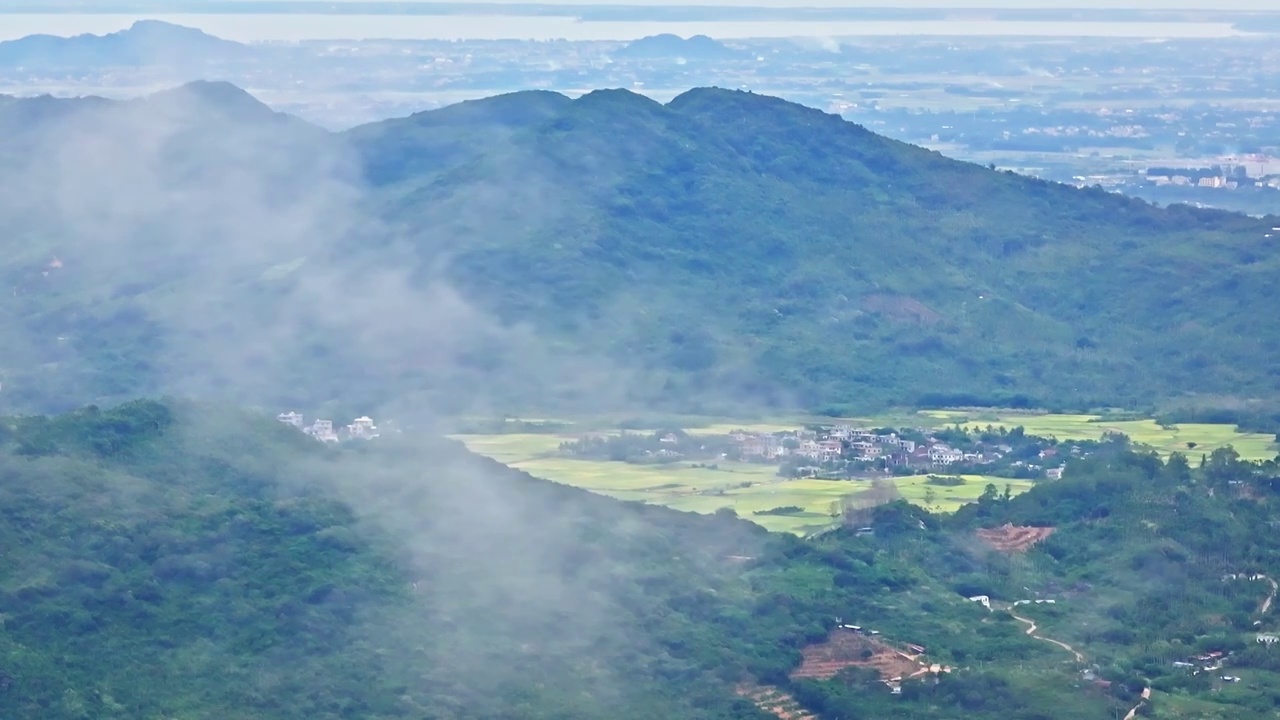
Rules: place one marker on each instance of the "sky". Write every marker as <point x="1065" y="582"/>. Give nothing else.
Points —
<point x="1258" y="5"/>
<point x="1252" y="5"/>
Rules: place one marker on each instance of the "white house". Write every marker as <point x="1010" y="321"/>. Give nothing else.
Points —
<point x="983" y="600"/>
<point x="363" y="428"/>
<point x="322" y="430"/>
<point x="943" y="455"/>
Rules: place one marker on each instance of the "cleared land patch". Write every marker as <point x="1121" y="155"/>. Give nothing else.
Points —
<point x="1012" y="538"/>
<point x="846" y="649"/>
<point x="776" y="702"/>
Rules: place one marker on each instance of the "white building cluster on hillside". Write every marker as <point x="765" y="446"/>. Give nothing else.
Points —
<point x="362" y="428"/>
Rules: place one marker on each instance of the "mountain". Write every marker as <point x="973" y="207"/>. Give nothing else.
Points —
<point x="145" y="43"/>
<point x="670" y="47"/>
<point x="167" y="559"/>
<point x="746" y="246"/>
<point x="534" y="252"/>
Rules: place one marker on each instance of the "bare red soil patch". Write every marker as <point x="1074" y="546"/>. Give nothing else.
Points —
<point x="845" y="649"/>
<point x="1013" y="538"/>
<point x="776" y="702"/>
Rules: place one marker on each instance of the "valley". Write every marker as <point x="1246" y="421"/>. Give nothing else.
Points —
<point x="752" y="489"/>
<point x="984" y="610"/>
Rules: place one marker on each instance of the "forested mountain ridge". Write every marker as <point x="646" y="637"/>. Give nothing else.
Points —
<point x="743" y="240"/>
<point x="172" y="560"/>
<point x="722" y="250"/>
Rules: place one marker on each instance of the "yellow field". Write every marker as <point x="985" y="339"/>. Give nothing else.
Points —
<point x="744" y="487"/>
<point x="1207" y="438"/>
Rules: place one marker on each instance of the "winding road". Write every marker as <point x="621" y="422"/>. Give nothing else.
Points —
<point x="1146" y="695"/>
<point x="1031" y="630"/>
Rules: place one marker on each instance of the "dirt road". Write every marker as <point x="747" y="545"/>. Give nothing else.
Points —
<point x="1031" y="630"/>
<point x="1146" y="695"/>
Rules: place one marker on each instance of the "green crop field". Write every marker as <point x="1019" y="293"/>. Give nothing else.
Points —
<point x="749" y="488"/>
<point x="743" y="487"/>
<point x="1189" y="438"/>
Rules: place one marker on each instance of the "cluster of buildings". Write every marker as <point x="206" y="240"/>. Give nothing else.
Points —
<point x="1205" y="662"/>
<point x="844" y="442"/>
<point x="362" y="428"/>
<point x="1213" y="181"/>
<point x="837" y="443"/>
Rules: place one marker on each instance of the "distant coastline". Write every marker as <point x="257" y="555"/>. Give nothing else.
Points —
<point x="652" y="10"/>
<point x="294" y="27"/>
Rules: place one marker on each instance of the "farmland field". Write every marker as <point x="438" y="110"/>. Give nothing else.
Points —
<point x="749" y="488"/>
<point x="1189" y="438"/>
<point x="746" y="488"/>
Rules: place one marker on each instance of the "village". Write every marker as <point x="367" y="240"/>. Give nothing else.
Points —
<point x="362" y="428"/>
<point x="840" y="451"/>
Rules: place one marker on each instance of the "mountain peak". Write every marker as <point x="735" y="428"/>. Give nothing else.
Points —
<point x="516" y="109"/>
<point x="667" y="45"/>
<point x="212" y="96"/>
<point x="617" y="98"/>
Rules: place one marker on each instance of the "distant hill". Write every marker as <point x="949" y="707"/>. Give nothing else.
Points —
<point x="146" y="42"/>
<point x="722" y="251"/>
<point x="668" y="46"/>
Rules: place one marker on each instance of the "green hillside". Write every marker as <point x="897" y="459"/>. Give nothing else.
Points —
<point x="167" y="560"/>
<point x="745" y="246"/>
<point x="530" y="252"/>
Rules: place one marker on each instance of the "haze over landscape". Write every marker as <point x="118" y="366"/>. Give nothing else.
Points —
<point x="727" y="362"/>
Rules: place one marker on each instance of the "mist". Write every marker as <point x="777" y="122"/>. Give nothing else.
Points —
<point x="240" y="252"/>
<point x="196" y="245"/>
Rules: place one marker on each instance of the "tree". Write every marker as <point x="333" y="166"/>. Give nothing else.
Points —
<point x="989" y="494"/>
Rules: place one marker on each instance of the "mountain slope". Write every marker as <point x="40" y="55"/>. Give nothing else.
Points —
<point x="178" y="561"/>
<point x="744" y="242"/>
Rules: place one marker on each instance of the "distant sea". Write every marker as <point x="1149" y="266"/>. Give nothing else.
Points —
<point x="298" y="27"/>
